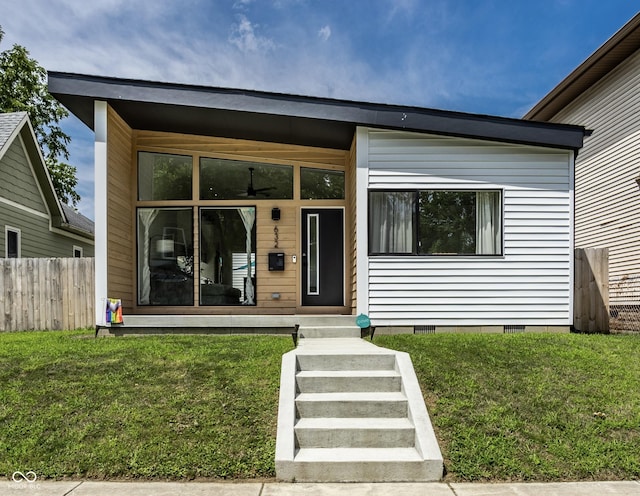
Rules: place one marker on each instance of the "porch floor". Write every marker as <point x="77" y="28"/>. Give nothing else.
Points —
<point x="220" y="324"/>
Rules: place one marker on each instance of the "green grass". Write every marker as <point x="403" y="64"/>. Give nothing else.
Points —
<point x="531" y="407"/>
<point x="505" y="407"/>
<point x="166" y="407"/>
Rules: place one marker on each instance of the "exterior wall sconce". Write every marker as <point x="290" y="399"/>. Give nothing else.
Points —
<point x="275" y="213"/>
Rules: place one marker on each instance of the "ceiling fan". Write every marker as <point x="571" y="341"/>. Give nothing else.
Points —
<point x="253" y="192"/>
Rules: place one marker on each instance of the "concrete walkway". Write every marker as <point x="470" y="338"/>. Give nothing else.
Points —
<point x="89" y="488"/>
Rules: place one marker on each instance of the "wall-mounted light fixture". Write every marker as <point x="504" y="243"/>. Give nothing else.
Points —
<point x="275" y="213"/>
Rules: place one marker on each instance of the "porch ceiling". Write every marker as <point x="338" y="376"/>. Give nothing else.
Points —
<point x="284" y="118"/>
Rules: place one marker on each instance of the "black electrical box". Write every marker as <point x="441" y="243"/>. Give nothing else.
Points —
<point x="276" y="261"/>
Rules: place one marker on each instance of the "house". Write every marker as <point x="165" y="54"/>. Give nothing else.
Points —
<point x="603" y="95"/>
<point x="218" y="206"/>
<point x="33" y="222"/>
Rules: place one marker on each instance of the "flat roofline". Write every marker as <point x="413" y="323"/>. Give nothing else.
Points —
<point x="284" y="118"/>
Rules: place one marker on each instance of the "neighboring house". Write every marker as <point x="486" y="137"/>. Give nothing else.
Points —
<point x="216" y="202"/>
<point x="603" y="94"/>
<point x="33" y="222"/>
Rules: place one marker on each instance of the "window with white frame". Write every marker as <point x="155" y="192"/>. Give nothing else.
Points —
<point x="435" y="222"/>
<point x="77" y="251"/>
<point x="12" y="242"/>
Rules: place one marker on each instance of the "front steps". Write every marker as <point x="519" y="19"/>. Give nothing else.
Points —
<point x="351" y="411"/>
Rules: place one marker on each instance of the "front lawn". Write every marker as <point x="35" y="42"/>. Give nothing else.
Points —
<point x="154" y="407"/>
<point x="505" y="407"/>
<point x="529" y="406"/>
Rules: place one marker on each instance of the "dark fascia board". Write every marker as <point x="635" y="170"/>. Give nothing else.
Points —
<point x="284" y="118"/>
<point x="618" y="48"/>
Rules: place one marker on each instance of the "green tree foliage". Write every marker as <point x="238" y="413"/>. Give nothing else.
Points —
<point x="321" y="184"/>
<point x="23" y="88"/>
<point x="447" y="221"/>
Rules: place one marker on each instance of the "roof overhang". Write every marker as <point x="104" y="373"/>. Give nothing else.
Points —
<point x="606" y="58"/>
<point x="282" y="118"/>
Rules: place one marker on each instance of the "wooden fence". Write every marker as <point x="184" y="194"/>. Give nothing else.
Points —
<point x="591" y="290"/>
<point x="46" y="293"/>
<point x="58" y="293"/>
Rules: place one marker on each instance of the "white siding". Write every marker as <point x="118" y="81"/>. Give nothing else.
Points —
<point x="607" y="195"/>
<point x="530" y="284"/>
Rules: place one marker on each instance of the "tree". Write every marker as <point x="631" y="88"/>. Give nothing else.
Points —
<point x="23" y="88"/>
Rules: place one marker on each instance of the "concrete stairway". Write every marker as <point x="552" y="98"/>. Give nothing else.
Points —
<point x="352" y="411"/>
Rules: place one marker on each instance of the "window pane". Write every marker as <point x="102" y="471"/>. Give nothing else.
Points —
<point x="459" y="222"/>
<point x="235" y="179"/>
<point x="488" y="223"/>
<point x="165" y="256"/>
<point x="320" y="184"/>
<point x="164" y="177"/>
<point x="391" y="226"/>
<point x="313" y="263"/>
<point x="13" y="244"/>
<point x="227" y="256"/>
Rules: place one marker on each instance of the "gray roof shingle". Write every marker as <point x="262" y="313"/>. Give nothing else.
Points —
<point x="8" y="123"/>
<point x="77" y="220"/>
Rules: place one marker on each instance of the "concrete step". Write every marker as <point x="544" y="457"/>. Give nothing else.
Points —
<point x="335" y="381"/>
<point x="328" y="331"/>
<point x="355" y="433"/>
<point x="354" y="405"/>
<point x="337" y="361"/>
<point x="363" y="465"/>
<point x="350" y="411"/>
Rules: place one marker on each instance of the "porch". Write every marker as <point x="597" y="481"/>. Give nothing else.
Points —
<point x="221" y="324"/>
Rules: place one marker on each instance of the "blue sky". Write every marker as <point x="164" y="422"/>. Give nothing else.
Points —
<point x="494" y="57"/>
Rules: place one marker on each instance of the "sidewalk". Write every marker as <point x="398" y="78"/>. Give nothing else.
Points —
<point x="90" y="488"/>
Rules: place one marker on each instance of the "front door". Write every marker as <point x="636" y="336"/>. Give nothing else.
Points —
<point x="323" y="256"/>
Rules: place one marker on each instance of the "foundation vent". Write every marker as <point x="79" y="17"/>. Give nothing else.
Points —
<point x="425" y="329"/>
<point x="511" y="329"/>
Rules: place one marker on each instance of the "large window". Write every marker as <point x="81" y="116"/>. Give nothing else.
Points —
<point x="165" y="256"/>
<point x="435" y="222"/>
<point x="164" y="177"/>
<point x="321" y="184"/>
<point x="227" y="256"/>
<point x="222" y="179"/>
<point x="196" y="223"/>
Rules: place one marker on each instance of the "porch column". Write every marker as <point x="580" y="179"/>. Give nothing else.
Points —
<point x="362" y="225"/>
<point x="100" y="209"/>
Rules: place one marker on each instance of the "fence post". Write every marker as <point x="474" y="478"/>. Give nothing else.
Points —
<point x="591" y="290"/>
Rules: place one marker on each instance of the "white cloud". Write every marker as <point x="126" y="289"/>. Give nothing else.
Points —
<point x="276" y="46"/>
<point x="240" y="4"/>
<point x="325" y="33"/>
<point x="244" y="37"/>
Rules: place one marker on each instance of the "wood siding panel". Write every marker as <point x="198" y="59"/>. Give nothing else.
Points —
<point x="282" y="282"/>
<point x="607" y="207"/>
<point x="221" y="147"/>
<point x="286" y="282"/>
<point x="352" y="246"/>
<point x="120" y="215"/>
<point x="529" y="285"/>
